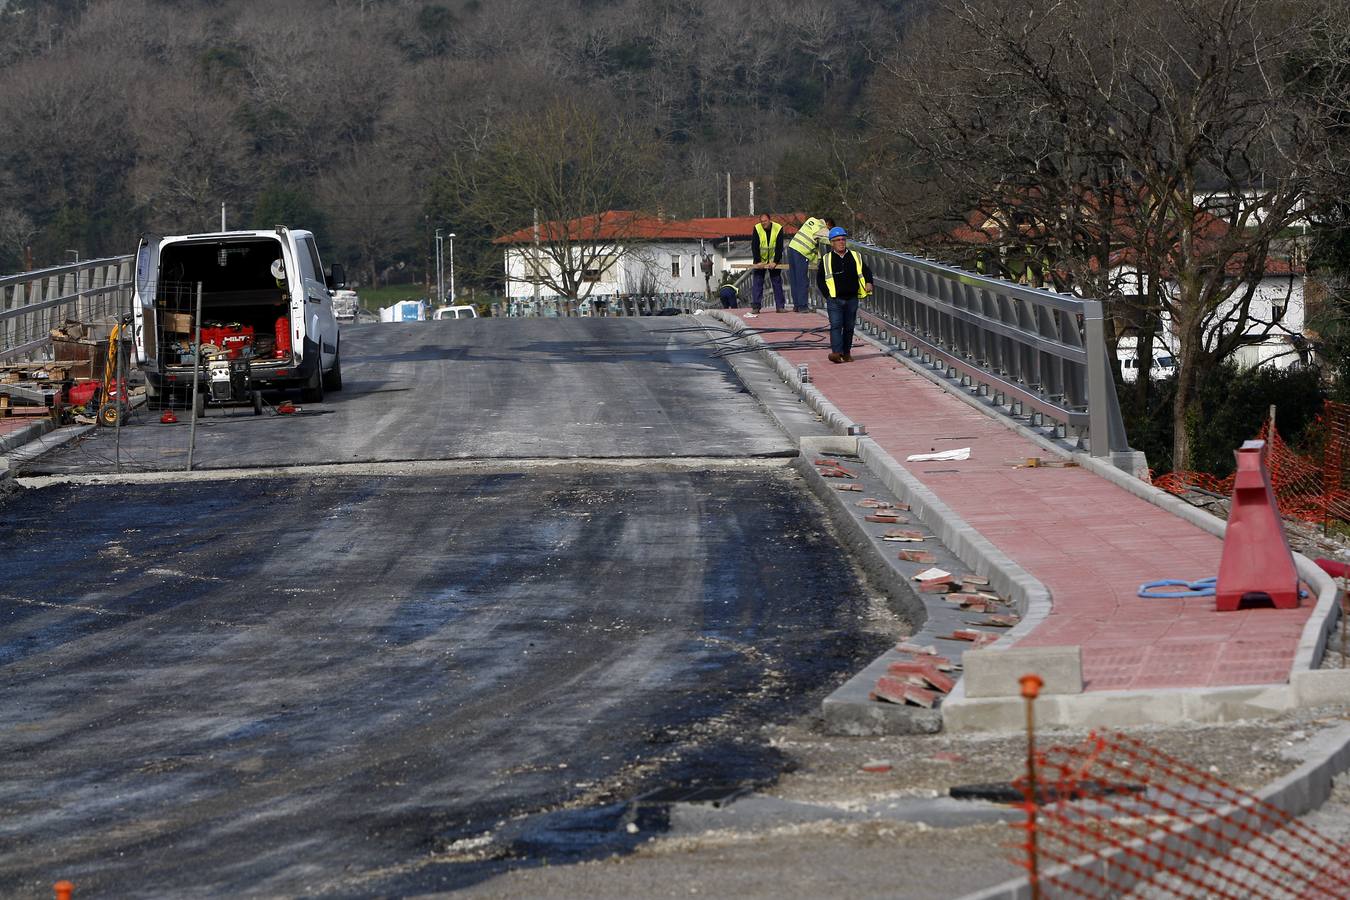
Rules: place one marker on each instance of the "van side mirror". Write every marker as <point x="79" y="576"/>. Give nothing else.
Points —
<point x="337" y="278"/>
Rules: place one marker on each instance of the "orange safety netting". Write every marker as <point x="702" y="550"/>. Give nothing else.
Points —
<point x="1311" y="486"/>
<point x="1112" y="817"/>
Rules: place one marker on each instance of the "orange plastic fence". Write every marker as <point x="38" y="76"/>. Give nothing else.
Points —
<point x="1314" y="487"/>
<point x="1129" y="820"/>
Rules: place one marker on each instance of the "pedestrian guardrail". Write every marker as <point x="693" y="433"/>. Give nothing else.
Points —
<point x="607" y="305"/>
<point x="1037" y="354"/>
<point x="33" y="303"/>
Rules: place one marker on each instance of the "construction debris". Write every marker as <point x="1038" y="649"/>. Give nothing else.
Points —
<point x="1040" y="462"/>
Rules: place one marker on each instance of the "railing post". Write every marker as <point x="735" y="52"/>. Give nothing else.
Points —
<point x="1098" y="378"/>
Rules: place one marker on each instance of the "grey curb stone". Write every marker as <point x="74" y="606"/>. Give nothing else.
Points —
<point x="1301" y="791"/>
<point x="40" y="442"/>
<point x="996" y="673"/>
<point x="30" y="432"/>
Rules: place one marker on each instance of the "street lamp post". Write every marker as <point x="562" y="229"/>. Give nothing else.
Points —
<point x="440" y="273"/>
<point x="452" y="268"/>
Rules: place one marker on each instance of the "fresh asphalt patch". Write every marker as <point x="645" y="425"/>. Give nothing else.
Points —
<point x="385" y="685"/>
<point x="471" y="389"/>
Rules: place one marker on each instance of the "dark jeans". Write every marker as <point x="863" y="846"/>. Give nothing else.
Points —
<point x="801" y="287"/>
<point x="757" y="290"/>
<point x="843" y="316"/>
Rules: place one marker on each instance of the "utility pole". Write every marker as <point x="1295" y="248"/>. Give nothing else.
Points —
<point x="728" y="195"/>
<point x="752" y="198"/>
<point x="535" y="274"/>
<point x="440" y="291"/>
<point x="452" y="267"/>
<point x="222" y="216"/>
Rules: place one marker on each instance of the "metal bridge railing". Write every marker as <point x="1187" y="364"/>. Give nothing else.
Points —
<point x="606" y="305"/>
<point x="1034" y="353"/>
<point x="33" y="303"/>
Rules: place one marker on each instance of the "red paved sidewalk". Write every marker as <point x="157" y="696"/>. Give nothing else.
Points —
<point x="1089" y="542"/>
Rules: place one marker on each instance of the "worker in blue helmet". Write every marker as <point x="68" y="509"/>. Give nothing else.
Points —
<point x="844" y="279"/>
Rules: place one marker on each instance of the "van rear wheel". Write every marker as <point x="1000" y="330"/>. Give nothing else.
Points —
<point x="313" y="392"/>
<point x="333" y="380"/>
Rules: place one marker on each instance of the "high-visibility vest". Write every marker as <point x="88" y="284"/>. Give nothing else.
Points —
<point x="767" y="241"/>
<point x="805" y="241"/>
<point x="828" y="263"/>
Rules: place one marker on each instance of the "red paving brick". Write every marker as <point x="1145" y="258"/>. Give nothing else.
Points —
<point x="1089" y="542"/>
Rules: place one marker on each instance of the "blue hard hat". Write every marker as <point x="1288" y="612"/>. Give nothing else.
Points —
<point x="837" y="232"/>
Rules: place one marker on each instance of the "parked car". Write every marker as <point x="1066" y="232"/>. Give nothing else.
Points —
<point x="457" y="312"/>
<point x="1164" y="366"/>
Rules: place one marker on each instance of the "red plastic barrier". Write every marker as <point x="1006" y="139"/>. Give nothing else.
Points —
<point x="1256" y="562"/>
<point x="1333" y="568"/>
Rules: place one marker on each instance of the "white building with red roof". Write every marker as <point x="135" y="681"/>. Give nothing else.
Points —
<point x="621" y="253"/>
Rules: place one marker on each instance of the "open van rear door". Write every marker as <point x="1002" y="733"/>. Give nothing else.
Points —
<point x="147" y="277"/>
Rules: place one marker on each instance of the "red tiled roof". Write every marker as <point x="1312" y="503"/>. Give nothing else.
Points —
<point x="982" y="229"/>
<point x="623" y="225"/>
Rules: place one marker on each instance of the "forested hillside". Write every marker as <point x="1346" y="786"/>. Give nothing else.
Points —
<point x="377" y="121"/>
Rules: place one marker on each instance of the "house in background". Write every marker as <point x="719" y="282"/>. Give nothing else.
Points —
<point x="1275" y="320"/>
<point x="621" y="253"/>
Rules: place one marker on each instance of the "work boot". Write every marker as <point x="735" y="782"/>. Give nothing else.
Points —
<point x="836" y="357"/>
<point x="847" y="358"/>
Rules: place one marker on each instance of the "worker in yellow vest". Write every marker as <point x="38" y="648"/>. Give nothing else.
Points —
<point x="802" y="250"/>
<point x="766" y="253"/>
<point x="844" y="279"/>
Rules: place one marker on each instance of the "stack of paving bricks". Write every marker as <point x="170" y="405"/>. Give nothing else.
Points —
<point x="920" y="678"/>
<point x="22" y="383"/>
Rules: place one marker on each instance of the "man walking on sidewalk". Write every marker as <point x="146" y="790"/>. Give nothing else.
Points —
<point x="766" y="249"/>
<point x="844" y="279"/>
<point x="803" y="250"/>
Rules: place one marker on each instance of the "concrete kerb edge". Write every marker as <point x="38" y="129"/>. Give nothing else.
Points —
<point x="26" y="435"/>
<point x="1301" y="791"/>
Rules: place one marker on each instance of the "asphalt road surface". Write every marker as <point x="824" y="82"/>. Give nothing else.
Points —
<point x="474" y="389"/>
<point x="382" y="684"/>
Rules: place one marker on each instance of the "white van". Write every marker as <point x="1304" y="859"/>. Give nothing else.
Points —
<point x="1164" y="363"/>
<point x="346" y="305"/>
<point x="457" y="312"/>
<point x="264" y="298"/>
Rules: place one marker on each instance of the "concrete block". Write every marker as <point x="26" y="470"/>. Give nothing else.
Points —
<point x="1321" y="687"/>
<point x="995" y="673"/>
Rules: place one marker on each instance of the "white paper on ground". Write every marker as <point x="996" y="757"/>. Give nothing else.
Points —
<point x="943" y="456"/>
<point x="934" y="572"/>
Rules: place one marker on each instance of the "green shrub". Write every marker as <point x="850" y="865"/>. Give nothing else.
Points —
<point x="1232" y="405"/>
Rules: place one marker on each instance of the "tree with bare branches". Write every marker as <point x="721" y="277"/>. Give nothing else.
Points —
<point x="567" y="166"/>
<point x="1162" y="139"/>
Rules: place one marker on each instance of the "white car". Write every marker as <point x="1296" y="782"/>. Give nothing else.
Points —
<point x="456" y="312"/>
<point x="1164" y="366"/>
